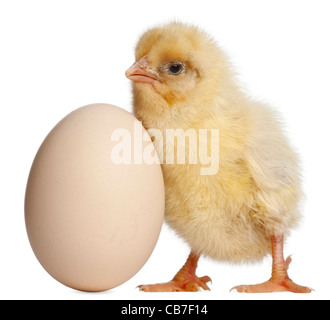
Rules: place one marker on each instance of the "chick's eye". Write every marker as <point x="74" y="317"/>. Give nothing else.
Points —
<point x="175" y="68"/>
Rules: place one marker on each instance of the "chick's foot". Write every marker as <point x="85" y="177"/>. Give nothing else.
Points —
<point x="279" y="280"/>
<point x="184" y="280"/>
<point x="273" y="285"/>
<point x="189" y="285"/>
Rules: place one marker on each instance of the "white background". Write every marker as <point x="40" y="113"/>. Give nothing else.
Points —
<point x="56" y="56"/>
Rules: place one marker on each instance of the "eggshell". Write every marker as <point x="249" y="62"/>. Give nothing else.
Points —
<point x="92" y="223"/>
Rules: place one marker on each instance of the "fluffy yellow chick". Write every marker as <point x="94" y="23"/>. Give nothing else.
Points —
<point x="243" y="209"/>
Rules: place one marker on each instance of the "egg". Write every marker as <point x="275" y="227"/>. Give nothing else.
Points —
<point x="94" y="203"/>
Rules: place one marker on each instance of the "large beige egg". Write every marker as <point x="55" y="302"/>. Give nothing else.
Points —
<point x="94" y="202"/>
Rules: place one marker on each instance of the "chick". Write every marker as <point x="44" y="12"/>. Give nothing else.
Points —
<point x="242" y="211"/>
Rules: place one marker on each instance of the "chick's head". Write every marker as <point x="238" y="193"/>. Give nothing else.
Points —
<point x="177" y="62"/>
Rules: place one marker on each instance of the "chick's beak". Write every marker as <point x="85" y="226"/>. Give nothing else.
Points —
<point x="141" y="71"/>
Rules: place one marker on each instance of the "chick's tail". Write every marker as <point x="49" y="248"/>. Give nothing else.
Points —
<point x="184" y="280"/>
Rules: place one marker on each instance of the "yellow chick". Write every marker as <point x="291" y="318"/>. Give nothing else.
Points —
<point x="246" y="201"/>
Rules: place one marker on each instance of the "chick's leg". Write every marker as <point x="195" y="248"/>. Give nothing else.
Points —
<point x="279" y="280"/>
<point x="184" y="280"/>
